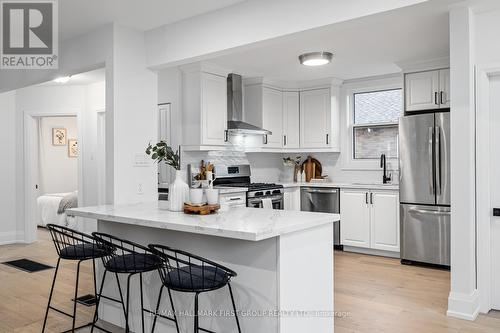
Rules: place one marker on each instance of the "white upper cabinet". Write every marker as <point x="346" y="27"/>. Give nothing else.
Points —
<point x="444" y="86"/>
<point x="291" y="119"/>
<point x="214" y="109"/>
<point x="427" y="90"/>
<point x="204" y="100"/>
<point x="272" y="113"/>
<point x="315" y="118"/>
<point x="384" y="219"/>
<point x="299" y="119"/>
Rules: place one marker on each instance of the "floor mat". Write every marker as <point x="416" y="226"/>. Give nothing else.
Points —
<point x="27" y="265"/>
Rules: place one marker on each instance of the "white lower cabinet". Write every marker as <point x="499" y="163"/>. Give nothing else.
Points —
<point x="354" y="218"/>
<point x="370" y="219"/>
<point x="291" y="198"/>
<point x="384" y="220"/>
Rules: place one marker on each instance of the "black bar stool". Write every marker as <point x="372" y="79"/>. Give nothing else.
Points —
<point x="126" y="258"/>
<point x="72" y="245"/>
<point x="185" y="272"/>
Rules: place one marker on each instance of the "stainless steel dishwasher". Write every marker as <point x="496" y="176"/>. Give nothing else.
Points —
<point x="323" y="200"/>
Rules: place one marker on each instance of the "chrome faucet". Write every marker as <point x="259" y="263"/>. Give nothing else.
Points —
<point x="383" y="164"/>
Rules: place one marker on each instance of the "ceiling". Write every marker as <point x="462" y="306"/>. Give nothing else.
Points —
<point x="81" y="79"/>
<point x="77" y="17"/>
<point x="364" y="47"/>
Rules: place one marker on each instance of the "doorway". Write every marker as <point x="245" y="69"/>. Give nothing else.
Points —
<point x="46" y="109"/>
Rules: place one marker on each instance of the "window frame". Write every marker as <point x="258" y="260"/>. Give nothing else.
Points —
<point x="347" y="104"/>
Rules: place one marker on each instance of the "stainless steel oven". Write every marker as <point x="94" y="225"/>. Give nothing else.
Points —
<point x="254" y="198"/>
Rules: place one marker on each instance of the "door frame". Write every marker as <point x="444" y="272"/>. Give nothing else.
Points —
<point x="30" y="138"/>
<point x="483" y="195"/>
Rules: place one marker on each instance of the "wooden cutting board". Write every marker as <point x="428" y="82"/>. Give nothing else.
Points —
<point x="312" y="168"/>
<point x="200" y="210"/>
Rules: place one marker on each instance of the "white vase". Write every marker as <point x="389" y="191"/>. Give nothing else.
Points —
<point x="178" y="193"/>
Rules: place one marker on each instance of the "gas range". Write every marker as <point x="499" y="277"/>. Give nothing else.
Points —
<point x="239" y="176"/>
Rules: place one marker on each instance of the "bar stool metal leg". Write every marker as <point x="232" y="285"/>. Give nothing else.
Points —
<point x="127" y="327"/>
<point x="173" y="310"/>
<point x="50" y="296"/>
<point x="98" y="300"/>
<point x="142" y="302"/>
<point x="234" y="307"/>
<point x="157" y="308"/>
<point x="76" y="294"/>
<point x="196" y="323"/>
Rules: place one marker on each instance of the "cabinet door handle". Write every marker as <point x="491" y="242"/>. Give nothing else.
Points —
<point x="328" y="139"/>
<point x="366" y="198"/>
<point x="441" y="97"/>
<point x="225" y="136"/>
<point x="371" y="198"/>
<point x="436" y="98"/>
<point x="265" y="139"/>
<point x="284" y="140"/>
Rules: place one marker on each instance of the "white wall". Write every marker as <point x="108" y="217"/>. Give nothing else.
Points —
<point x="58" y="171"/>
<point x="463" y="299"/>
<point x="133" y="120"/>
<point x="8" y="169"/>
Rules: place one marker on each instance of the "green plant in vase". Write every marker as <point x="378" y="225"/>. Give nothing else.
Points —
<point x="178" y="191"/>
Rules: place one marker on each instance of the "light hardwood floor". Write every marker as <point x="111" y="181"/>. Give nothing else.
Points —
<point x="377" y="294"/>
<point x="381" y="295"/>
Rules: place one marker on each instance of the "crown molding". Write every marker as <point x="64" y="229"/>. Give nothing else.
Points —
<point x="424" y="65"/>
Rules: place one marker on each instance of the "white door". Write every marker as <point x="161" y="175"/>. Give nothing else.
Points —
<point x="422" y="90"/>
<point x="494" y="186"/>
<point x="315" y="118"/>
<point x="272" y="116"/>
<point x="355" y="218"/>
<point x="444" y="87"/>
<point x="291" y="119"/>
<point x="214" y="109"/>
<point x="384" y="220"/>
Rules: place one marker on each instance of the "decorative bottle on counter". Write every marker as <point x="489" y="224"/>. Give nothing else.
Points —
<point x="178" y="193"/>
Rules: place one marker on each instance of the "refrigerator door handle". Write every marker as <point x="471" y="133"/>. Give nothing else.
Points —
<point x="437" y="163"/>
<point x="432" y="169"/>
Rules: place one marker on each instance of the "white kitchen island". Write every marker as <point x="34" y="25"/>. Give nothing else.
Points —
<point x="284" y="261"/>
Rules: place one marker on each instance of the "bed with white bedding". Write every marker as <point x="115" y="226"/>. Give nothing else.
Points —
<point x="51" y="209"/>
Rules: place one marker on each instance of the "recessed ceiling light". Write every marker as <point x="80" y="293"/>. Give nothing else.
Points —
<point x="315" y="58"/>
<point x="62" y="79"/>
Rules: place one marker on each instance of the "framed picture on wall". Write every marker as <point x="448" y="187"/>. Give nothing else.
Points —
<point x="72" y="148"/>
<point x="59" y="137"/>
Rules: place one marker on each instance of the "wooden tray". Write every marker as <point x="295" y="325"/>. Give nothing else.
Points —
<point x="201" y="210"/>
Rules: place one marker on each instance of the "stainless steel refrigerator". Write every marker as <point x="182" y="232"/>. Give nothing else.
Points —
<point x="424" y="188"/>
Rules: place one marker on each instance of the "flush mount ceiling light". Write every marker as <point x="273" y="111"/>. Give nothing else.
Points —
<point x="315" y="58"/>
<point x="62" y="79"/>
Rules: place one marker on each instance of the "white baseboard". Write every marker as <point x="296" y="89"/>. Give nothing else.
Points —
<point x="463" y="306"/>
<point x="10" y="237"/>
<point x="372" y="252"/>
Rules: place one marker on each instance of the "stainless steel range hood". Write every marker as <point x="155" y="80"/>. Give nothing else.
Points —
<point x="235" y="123"/>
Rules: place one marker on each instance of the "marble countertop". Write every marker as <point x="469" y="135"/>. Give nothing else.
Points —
<point x="374" y="186"/>
<point x="252" y="224"/>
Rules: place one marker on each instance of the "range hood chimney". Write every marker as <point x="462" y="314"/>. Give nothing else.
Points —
<point x="235" y="123"/>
